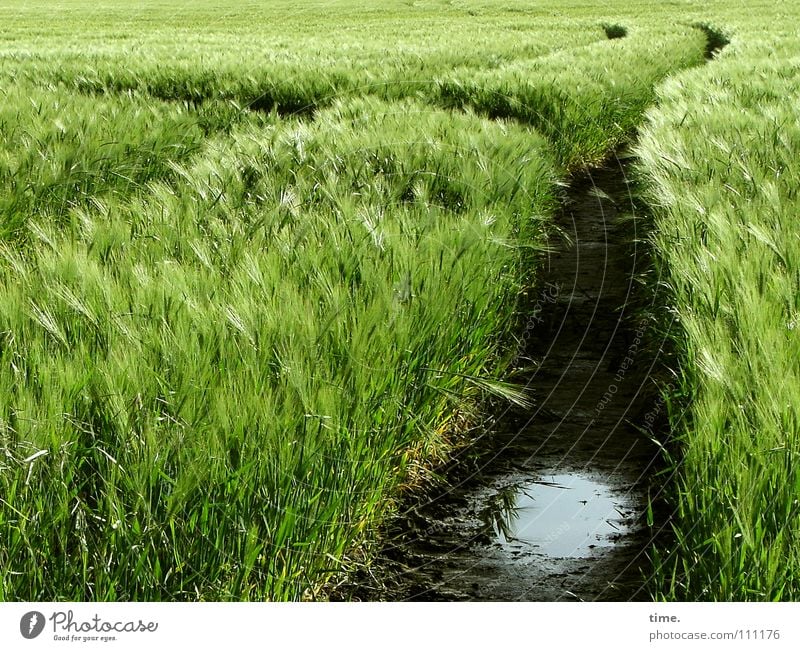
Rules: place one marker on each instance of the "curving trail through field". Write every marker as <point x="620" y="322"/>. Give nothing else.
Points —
<point x="592" y="386"/>
<point x="493" y="533"/>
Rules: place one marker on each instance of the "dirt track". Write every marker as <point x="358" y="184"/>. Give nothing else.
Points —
<point x="587" y="344"/>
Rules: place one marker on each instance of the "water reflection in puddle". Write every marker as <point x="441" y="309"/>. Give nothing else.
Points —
<point x="564" y="516"/>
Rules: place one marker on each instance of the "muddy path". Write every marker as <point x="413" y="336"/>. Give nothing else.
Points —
<point x="552" y="503"/>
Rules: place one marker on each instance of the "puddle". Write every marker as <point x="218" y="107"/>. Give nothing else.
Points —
<point x="563" y="516"/>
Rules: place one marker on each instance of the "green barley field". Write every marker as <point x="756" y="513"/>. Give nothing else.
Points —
<point x="262" y="263"/>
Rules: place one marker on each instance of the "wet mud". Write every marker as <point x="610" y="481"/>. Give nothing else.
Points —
<point x="552" y="503"/>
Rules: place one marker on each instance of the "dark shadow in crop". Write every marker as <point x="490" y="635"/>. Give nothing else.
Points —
<point x="615" y="31"/>
<point x="298" y="107"/>
<point x="285" y="105"/>
<point x="716" y="39"/>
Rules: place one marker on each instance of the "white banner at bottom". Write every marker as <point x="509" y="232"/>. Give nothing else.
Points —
<point x="406" y="626"/>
